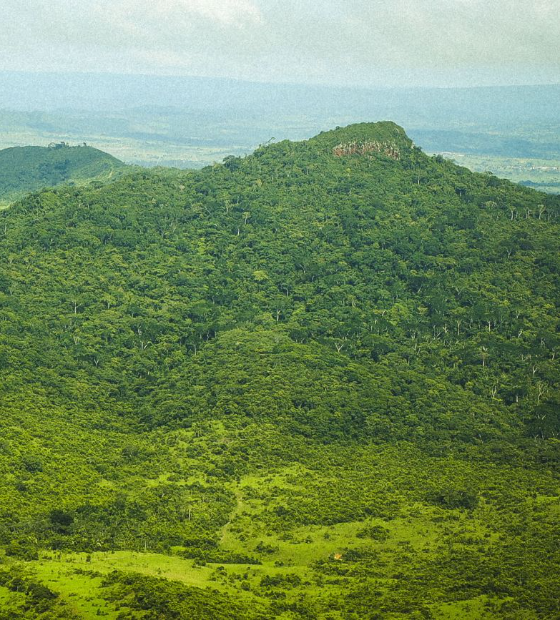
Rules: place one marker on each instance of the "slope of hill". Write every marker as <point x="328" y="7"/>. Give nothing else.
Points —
<point x="320" y="381"/>
<point x="30" y="168"/>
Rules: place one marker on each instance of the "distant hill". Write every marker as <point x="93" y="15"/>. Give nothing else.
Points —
<point x="30" y="168"/>
<point x="190" y="122"/>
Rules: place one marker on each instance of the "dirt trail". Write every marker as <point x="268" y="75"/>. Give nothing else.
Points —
<point x="239" y="503"/>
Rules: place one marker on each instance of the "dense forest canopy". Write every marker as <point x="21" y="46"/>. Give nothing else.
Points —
<point x="324" y="376"/>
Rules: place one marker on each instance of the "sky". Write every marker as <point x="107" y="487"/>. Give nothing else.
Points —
<point x="369" y="43"/>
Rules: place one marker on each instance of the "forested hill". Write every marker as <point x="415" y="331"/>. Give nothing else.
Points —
<point x="354" y="241"/>
<point x="334" y="359"/>
<point x="30" y="168"/>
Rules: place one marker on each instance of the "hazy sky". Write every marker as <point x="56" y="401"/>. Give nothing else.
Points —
<point x="367" y="42"/>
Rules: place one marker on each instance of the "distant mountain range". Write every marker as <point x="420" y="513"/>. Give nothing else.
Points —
<point x="500" y="105"/>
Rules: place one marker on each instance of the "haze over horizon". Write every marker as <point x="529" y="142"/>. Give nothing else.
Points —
<point x="434" y="43"/>
<point x="187" y="82"/>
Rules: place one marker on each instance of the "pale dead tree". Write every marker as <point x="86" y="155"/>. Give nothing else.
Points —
<point x="542" y="389"/>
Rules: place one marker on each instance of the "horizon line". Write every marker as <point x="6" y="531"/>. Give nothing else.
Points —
<point x="319" y="85"/>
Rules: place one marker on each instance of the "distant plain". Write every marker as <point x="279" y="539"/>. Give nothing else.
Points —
<point x="513" y="132"/>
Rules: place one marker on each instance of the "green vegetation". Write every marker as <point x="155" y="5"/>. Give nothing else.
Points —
<point x="30" y="168"/>
<point x="320" y="381"/>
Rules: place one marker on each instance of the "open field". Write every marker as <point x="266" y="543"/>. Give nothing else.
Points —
<point x="312" y="567"/>
<point x="541" y="174"/>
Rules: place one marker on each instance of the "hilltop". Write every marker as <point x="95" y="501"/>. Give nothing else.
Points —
<point x="318" y="381"/>
<point x="25" y="169"/>
<point x="191" y="122"/>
